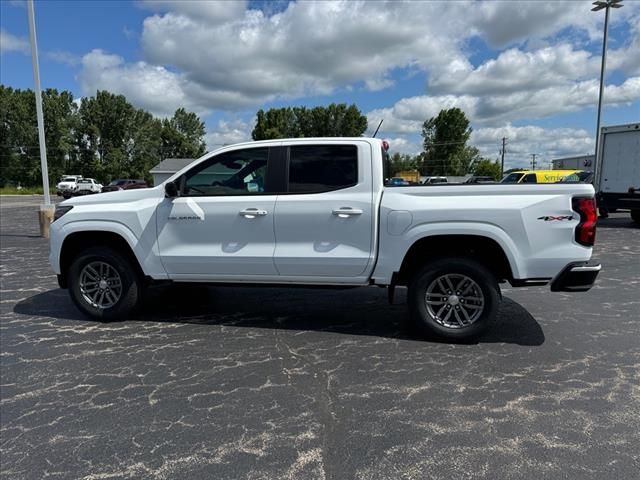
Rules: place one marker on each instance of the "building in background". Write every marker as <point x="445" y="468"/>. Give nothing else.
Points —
<point x="583" y="162"/>
<point x="168" y="167"/>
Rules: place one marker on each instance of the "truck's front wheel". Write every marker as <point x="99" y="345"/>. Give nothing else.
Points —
<point x="104" y="284"/>
<point x="453" y="298"/>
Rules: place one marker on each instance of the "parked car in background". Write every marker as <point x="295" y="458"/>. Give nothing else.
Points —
<point x="124" y="184"/>
<point x="434" y="180"/>
<point x="480" y="179"/>
<point x="538" y="176"/>
<point x="88" y="186"/>
<point x="68" y="185"/>
<point x="397" y="182"/>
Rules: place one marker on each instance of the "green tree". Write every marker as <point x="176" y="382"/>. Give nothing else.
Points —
<point x="106" y="123"/>
<point x="58" y="112"/>
<point x="145" y="147"/>
<point x="445" y="143"/>
<point x="335" y="120"/>
<point x="462" y="161"/>
<point x="19" y="144"/>
<point x="105" y="137"/>
<point x="486" y="167"/>
<point x="183" y="135"/>
<point x="402" y="163"/>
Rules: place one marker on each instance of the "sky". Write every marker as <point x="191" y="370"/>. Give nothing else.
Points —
<point x="524" y="70"/>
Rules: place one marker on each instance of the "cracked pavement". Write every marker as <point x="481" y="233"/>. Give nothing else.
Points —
<point x="230" y="383"/>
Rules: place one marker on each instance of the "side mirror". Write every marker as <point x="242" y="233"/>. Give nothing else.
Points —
<point x="171" y="189"/>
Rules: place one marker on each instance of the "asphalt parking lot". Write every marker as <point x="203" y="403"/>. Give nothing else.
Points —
<point x="224" y="383"/>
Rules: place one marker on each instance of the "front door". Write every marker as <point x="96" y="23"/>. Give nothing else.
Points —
<point x="222" y="224"/>
<point x="324" y="223"/>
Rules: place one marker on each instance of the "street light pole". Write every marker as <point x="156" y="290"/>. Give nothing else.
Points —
<point x="46" y="210"/>
<point x="599" y="5"/>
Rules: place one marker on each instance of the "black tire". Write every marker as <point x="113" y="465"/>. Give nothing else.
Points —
<point x="635" y="215"/>
<point x="131" y="284"/>
<point x="431" y="325"/>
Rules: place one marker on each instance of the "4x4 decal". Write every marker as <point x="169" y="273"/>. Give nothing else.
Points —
<point x="560" y="218"/>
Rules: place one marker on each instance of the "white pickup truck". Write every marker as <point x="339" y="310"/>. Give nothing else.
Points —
<point x="317" y="212"/>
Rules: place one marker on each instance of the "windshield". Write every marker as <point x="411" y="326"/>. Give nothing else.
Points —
<point x="577" y="177"/>
<point x="118" y="182"/>
<point x="513" y="177"/>
<point x="69" y="179"/>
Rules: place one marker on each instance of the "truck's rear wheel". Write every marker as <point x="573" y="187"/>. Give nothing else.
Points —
<point x="453" y="298"/>
<point x="104" y="284"/>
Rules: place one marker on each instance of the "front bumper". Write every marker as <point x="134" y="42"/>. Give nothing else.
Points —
<point x="576" y="277"/>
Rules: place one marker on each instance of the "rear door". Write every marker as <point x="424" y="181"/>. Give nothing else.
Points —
<point x="324" y="222"/>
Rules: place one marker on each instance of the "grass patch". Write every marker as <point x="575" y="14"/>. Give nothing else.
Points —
<point x="24" y="191"/>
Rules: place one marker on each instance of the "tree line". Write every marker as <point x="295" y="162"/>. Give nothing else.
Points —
<point x="103" y="137"/>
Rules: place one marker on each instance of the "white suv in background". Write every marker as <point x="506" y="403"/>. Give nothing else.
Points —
<point x="68" y="185"/>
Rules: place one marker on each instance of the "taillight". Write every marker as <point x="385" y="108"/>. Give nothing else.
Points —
<point x="586" y="229"/>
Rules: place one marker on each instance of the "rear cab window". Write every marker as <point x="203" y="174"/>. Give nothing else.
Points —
<point x="322" y="168"/>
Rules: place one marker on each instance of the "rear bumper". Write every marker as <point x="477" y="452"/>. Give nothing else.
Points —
<point x="576" y="277"/>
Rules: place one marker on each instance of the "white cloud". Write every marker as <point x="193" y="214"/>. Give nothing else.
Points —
<point x="246" y="56"/>
<point x="403" y="145"/>
<point x="147" y="86"/>
<point x="66" y="58"/>
<point x="11" y="43"/>
<point x="505" y="23"/>
<point x="627" y="58"/>
<point x="211" y="11"/>
<point x="310" y="48"/>
<point x="516" y="70"/>
<point x="208" y="56"/>
<point x="408" y="115"/>
<point x="547" y="143"/>
<point x="228" y="133"/>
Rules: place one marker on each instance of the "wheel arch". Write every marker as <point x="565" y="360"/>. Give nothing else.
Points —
<point x="483" y="249"/>
<point x="78" y="241"/>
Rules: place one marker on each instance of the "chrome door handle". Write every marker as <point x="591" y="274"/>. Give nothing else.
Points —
<point x="253" y="212"/>
<point x="346" y="212"/>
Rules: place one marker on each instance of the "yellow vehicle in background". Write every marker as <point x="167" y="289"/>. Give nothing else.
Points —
<point x="412" y="176"/>
<point x="538" y="176"/>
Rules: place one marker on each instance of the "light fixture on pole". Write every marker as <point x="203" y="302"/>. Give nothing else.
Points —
<point x="46" y="210"/>
<point x="597" y="6"/>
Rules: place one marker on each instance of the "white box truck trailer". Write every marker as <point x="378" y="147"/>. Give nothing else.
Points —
<point x="618" y="169"/>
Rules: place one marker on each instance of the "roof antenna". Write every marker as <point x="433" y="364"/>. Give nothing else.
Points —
<point x="379" y="125"/>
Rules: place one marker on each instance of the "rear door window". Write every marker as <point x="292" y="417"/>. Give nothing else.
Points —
<point x="322" y="168"/>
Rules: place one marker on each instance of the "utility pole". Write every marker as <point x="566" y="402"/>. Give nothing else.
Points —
<point x="533" y="161"/>
<point x="504" y="146"/>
